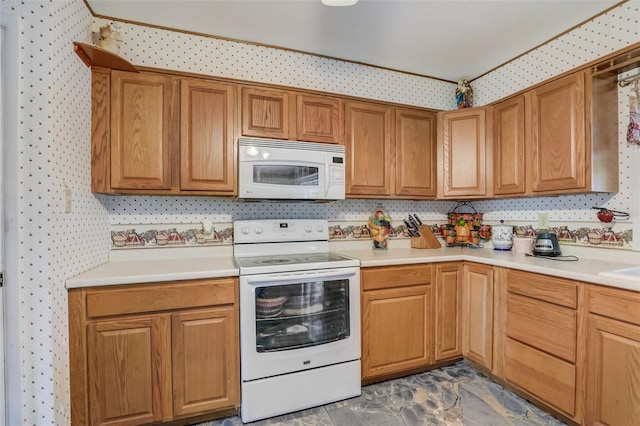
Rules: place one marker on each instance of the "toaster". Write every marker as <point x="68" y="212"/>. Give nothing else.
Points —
<point x="546" y="245"/>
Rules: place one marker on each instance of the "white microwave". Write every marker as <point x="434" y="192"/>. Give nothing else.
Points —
<point x="271" y="169"/>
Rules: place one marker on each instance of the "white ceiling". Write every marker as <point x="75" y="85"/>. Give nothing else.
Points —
<point x="449" y="40"/>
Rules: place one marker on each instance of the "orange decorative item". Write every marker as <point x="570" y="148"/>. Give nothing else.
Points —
<point x="463" y="229"/>
<point x="379" y="225"/>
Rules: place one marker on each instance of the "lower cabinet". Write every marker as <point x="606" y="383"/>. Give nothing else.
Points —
<point x="151" y="353"/>
<point x="540" y="352"/>
<point x="571" y="347"/>
<point x="448" y="309"/>
<point x="396" y="319"/>
<point x="477" y="314"/>
<point x="613" y="357"/>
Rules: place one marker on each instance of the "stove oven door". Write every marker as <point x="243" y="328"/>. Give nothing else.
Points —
<point x="298" y="320"/>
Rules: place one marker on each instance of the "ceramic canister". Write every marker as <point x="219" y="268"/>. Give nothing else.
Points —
<point x="502" y="236"/>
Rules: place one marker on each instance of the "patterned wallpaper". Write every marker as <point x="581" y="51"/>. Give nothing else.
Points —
<point x="53" y="131"/>
<point x="54" y="134"/>
<point x="612" y="31"/>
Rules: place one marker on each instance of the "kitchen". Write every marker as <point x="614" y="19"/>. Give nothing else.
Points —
<point x="56" y="155"/>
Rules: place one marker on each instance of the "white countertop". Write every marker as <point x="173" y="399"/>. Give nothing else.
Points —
<point x="159" y="266"/>
<point x="584" y="269"/>
<point x="150" y="266"/>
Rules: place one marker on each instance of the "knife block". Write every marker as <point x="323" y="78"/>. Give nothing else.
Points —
<point x="426" y="240"/>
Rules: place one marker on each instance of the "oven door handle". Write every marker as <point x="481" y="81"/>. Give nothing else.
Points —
<point x="272" y="278"/>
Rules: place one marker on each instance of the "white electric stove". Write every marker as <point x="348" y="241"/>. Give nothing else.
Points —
<point x="299" y="317"/>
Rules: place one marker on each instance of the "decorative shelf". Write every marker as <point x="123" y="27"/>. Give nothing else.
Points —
<point x="94" y="56"/>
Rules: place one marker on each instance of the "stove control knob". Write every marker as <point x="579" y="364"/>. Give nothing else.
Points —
<point x="259" y="230"/>
<point x="308" y="229"/>
<point x="319" y="228"/>
<point x="244" y="230"/>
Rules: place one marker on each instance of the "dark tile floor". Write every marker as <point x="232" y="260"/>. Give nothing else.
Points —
<point x="454" y="395"/>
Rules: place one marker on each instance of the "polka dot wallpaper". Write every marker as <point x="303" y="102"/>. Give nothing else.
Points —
<point x="54" y="135"/>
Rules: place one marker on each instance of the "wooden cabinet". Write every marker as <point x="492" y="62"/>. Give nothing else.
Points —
<point x="128" y="392"/>
<point x="204" y="350"/>
<point x="141" y="105"/>
<point x="542" y="338"/>
<point x="477" y="314"/>
<point x="151" y="353"/>
<point x="415" y="149"/>
<point x="465" y="153"/>
<point x="319" y="118"/>
<point x="509" y="147"/>
<point x="265" y="113"/>
<point x="396" y="320"/>
<point x="448" y="310"/>
<point x="613" y="357"/>
<point x="369" y="146"/>
<point x="153" y="133"/>
<point x="558" y="140"/>
<point x="390" y="151"/>
<point x="286" y="114"/>
<point x="207" y="142"/>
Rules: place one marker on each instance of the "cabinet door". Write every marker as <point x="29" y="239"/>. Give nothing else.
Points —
<point x="319" y="119"/>
<point x="207" y="136"/>
<point x="558" y="139"/>
<point x="369" y="149"/>
<point x="448" y="307"/>
<point x="127" y="370"/>
<point x="415" y="153"/>
<point x="206" y="372"/>
<point x="477" y="313"/>
<point x="395" y="330"/>
<point x="508" y="147"/>
<point x="140" y="130"/>
<point x="613" y="372"/>
<point x="265" y="113"/>
<point x="463" y="154"/>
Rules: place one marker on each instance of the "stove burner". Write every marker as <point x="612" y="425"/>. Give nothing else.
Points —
<point x="275" y="261"/>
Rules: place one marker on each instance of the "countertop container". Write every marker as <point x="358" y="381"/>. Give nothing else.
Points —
<point x="502" y="236"/>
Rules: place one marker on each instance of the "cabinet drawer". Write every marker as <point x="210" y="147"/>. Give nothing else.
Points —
<point x="545" y="326"/>
<point x="615" y="303"/>
<point x="136" y="299"/>
<point x="547" y="378"/>
<point x="395" y="276"/>
<point x="543" y="287"/>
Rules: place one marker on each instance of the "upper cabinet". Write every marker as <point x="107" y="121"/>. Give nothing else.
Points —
<point x="265" y="113"/>
<point x="464" y="153"/>
<point x="509" y="147"/>
<point x="319" y="118"/>
<point x="390" y="151"/>
<point x="369" y="146"/>
<point x="207" y="140"/>
<point x="285" y="114"/>
<point x="153" y="133"/>
<point x="558" y="138"/>
<point x="141" y="106"/>
<point x="415" y="153"/>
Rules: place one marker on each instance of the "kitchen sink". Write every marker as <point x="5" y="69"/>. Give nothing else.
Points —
<point x="624" y="274"/>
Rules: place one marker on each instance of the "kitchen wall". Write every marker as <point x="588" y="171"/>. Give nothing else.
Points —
<point x="607" y="33"/>
<point x="53" y="92"/>
<point x="53" y="151"/>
